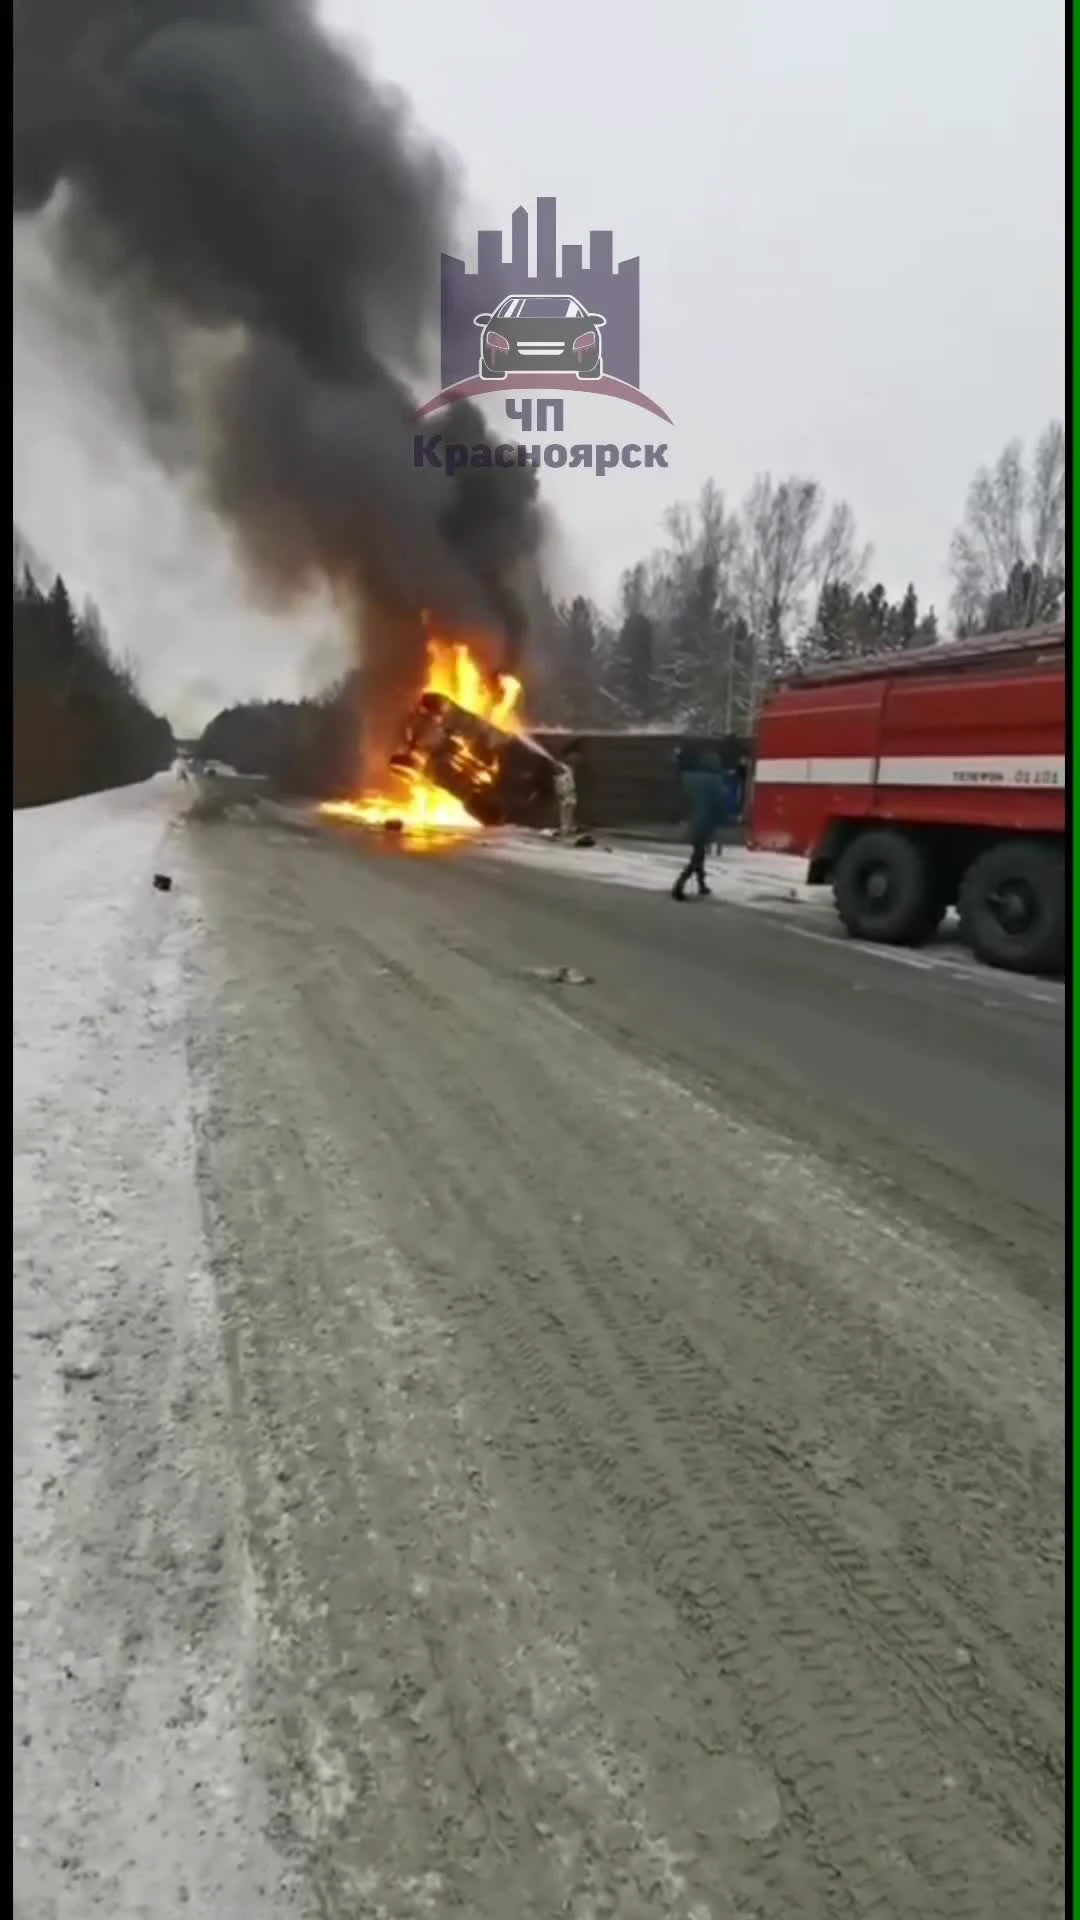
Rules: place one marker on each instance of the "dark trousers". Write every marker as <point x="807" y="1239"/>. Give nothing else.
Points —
<point x="694" y="868"/>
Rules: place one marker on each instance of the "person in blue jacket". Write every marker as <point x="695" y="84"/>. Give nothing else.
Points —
<point x="701" y="783"/>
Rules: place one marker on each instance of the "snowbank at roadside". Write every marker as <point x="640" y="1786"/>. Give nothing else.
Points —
<point x="130" y="1791"/>
<point x="80" y="871"/>
<point x="735" y="876"/>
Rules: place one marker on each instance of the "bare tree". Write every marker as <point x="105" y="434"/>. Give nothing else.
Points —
<point x="841" y="559"/>
<point x="709" y="618"/>
<point x="1008" y="556"/>
<point x="702" y="535"/>
<point x="1046" y="502"/>
<point x="701" y="577"/>
<point x="779" y="556"/>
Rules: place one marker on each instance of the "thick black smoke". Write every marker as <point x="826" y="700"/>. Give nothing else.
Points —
<point x="229" y="164"/>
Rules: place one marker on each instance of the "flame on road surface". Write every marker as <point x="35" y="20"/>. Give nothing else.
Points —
<point x="411" y="802"/>
<point x="419" y="807"/>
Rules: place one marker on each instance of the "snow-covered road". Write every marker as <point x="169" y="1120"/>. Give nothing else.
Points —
<point x="736" y="876"/>
<point x="132" y="1633"/>
<point x="480" y="1452"/>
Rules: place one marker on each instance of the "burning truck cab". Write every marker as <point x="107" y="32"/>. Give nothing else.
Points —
<point x="464" y="759"/>
<point x="499" y="777"/>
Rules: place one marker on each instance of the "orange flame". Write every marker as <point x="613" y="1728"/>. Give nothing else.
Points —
<point x="415" y="804"/>
<point x="453" y="671"/>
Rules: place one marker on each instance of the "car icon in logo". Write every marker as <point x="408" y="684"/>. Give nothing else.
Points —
<point x="534" y="332"/>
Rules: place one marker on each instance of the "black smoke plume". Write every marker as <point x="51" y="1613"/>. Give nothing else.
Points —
<point x="228" y="169"/>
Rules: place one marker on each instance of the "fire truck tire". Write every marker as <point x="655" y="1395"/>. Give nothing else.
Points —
<point x="1013" y="911"/>
<point x="883" y="889"/>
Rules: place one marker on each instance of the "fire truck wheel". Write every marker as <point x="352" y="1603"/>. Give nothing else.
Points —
<point x="1012" y="907"/>
<point x="883" y="890"/>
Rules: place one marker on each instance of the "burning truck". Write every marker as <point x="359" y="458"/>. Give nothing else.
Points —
<point x="498" y="777"/>
<point x="465" y="760"/>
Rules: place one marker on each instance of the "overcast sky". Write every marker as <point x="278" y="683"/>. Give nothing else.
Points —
<point x="850" y="222"/>
<point x="849" y="215"/>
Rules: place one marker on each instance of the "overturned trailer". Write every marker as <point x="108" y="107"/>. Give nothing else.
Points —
<point x="501" y="778"/>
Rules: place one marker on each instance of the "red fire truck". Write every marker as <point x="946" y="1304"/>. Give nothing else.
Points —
<point x="920" y="781"/>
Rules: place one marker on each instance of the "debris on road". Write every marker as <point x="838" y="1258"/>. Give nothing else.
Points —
<point x="86" y="1367"/>
<point x="560" y="976"/>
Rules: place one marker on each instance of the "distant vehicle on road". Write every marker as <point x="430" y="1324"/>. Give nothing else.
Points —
<point x="219" y="788"/>
<point x="919" y="781"/>
<point x="540" y="332"/>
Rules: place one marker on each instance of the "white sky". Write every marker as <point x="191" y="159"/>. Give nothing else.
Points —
<point x="850" y="220"/>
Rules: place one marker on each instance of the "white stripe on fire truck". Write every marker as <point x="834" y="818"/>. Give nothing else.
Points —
<point x="918" y="770"/>
<point x="973" y="770"/>
<point x="815" y="773"/>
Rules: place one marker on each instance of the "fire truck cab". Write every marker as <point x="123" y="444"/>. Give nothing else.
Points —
<point x="922" y="781"/>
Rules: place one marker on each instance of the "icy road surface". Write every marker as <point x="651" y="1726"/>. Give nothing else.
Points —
<point x="543" y="1472"/>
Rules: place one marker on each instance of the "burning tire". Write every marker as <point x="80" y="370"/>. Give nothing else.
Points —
<point x="1013" y="910"/>
<point x="884" y="890"/>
